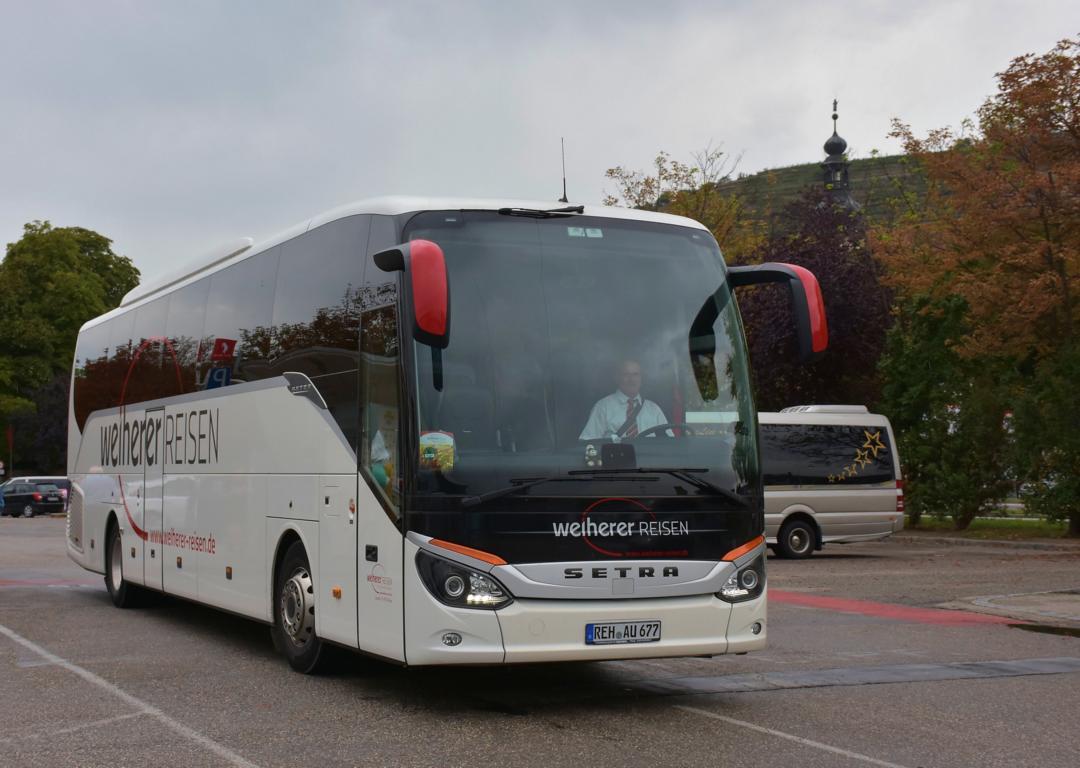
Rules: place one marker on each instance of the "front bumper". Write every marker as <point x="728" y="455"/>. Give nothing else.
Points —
<point x="535" y="630"/>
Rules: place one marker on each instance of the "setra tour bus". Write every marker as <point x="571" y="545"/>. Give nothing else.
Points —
<point x="438" y="432"/>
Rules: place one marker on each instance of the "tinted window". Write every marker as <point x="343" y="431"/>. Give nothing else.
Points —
<point x="380" y="455"/>
<point x="545" y="313"/>
<point x="184" y="329"/>
<point x="91" y="361"/>
<point x="154" y="372"/>
<point x="237" y="334"/>
<point x="122" y="346"/>
<point x="804" y="454"/>
<point x="317" y="314"/>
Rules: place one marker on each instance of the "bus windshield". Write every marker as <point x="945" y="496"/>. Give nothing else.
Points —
<point x="596" y="373"/>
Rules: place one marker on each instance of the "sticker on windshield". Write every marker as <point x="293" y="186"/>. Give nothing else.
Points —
<point x="575" y="231"/>
<point x="437" y="451"/>
<point x="594" y="232"/>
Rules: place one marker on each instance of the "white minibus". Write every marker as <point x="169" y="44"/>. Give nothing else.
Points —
<point x="831" y="475"/>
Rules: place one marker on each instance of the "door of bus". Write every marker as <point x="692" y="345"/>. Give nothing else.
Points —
<point x="153" y="502"/>
<point x="335" y="618"/>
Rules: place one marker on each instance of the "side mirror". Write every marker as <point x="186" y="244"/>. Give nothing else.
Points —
<point x="424" y="265"/>
<point x="810" y="325"/>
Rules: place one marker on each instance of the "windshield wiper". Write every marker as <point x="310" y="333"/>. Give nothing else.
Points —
<point x="686" y="474"/>
<point x="540" y="213"/>
<point x="521" y="483"/>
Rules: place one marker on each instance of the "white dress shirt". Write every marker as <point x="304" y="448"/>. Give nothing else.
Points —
<point x="609" y="414"/>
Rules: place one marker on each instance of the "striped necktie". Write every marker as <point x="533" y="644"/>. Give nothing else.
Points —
<point x="632" y="430"/>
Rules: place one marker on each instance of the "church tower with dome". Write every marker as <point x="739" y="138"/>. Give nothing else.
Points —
<point x="835" y="168"/>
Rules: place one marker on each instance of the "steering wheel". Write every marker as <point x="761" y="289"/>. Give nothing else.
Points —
<point x="663" y="428"/>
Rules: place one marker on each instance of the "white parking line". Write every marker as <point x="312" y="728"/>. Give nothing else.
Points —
<point x="789" y="737"/>
<point x="74" y="728"/>
<point x="143" y="707"/>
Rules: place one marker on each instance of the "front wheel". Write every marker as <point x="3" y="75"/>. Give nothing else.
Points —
<point x="294" y="612"/>
<point x="796" y="540"/>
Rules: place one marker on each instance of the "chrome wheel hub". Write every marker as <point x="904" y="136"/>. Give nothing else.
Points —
<point x="799" y="541"/>
<point x="116" y="563"/>
<point x="297" y="607"/>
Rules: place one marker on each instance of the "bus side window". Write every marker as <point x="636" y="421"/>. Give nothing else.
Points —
<point x="316" y="319"/>
<point x="122" y="350"/>
<point x="380" y="453"/>
<point x="824" y="454"/>
<point x="239" y="309"/>
<point x="154" y="370"/>
<point x="184" y="331"/>
<point x="91" y="372"/>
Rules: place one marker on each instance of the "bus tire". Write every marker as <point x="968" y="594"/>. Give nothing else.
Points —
<point x="123" y="594"/>
<point x="796" y="539"/>
<point x="294" y="612"/>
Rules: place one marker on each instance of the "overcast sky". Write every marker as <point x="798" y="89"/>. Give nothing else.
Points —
<point x="174" y="127"/>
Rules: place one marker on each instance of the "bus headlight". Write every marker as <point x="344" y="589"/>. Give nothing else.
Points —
<point x="457" y="585"/>
<point x="454" y="586"/>
<point x="746" y="583"/>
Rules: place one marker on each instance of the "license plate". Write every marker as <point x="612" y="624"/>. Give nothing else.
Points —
<point x="52" y="498"/>
<point x="613" y="632"/>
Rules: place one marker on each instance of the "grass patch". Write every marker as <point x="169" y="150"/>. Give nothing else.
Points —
<point x="994" y="528"/>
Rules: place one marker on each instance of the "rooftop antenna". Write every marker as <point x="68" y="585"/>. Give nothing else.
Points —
<point x="562" y="143"/>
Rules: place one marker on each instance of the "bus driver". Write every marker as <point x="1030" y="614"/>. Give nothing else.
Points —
<point x="623" y="413"/>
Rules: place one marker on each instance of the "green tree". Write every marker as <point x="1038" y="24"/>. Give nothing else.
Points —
<point x="998" y="225"/>
<point x="948" y="411"/>
<point x="52" y="280"/>
<point x="1047" y="439"/>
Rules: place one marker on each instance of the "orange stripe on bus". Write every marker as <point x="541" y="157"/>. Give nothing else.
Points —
<point x="487" y="557"/>
<point x="749" y="546"/>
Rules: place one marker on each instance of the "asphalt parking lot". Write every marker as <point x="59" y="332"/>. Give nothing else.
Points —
<point x="863" y="668"/>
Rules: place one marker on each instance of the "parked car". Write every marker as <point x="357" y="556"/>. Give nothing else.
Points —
<point x="831" y="475"/>
<point x="61" y="482"/>
<point x="25" y="498"/>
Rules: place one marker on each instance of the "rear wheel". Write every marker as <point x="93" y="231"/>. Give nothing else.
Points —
<point x="294" y="612"/>
<point x="123" y="595"/>
<point x="796" y="540"/>
<point x="28" y="510"/>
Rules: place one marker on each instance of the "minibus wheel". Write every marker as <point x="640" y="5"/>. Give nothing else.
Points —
<point x="294" y="612"/>
<point x="796" y="539"/>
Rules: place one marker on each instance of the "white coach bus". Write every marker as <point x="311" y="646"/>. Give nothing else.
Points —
<point x="295" y="431"/>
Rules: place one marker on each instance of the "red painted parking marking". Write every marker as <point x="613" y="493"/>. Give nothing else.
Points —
<point x="886" y="610"/>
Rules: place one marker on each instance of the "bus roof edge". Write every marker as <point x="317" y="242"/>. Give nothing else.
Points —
<point x="215" y="256"/>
